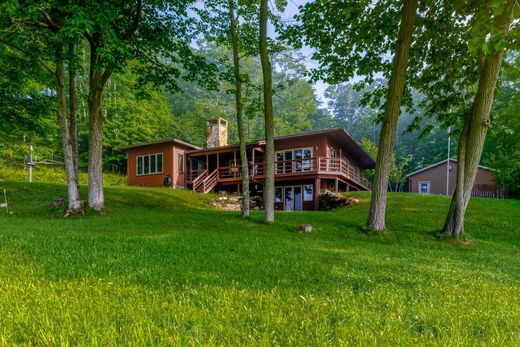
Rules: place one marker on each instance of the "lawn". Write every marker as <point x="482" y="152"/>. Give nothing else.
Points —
<point x="161" y="268"/>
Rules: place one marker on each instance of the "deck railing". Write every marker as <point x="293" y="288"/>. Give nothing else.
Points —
<point x="340" y="166"/>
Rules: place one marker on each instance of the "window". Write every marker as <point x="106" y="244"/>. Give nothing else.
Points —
<point x="278" y="194"/>
<point x="308" y="192"/>
<point x="149" y="164"/>
<point x="180" y="162"/>
<point x="307" y="164"/>
<point x="424" y="187"/>
<point x="294" y="160"/>
<point x="159" y="163"/>
<point x="139" y="165"/>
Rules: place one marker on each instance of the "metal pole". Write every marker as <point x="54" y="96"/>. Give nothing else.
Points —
<point x="448" y="164"/>
<point x="5" y="199"/>
<point x="30" y="162"/>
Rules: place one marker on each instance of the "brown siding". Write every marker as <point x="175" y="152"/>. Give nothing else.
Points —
<point x="437" y="178"/>
<point x="169" y="151"/>
<point x="317" y="142"/>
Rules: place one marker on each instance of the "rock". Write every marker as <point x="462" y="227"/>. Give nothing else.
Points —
<point x="330" y="200"/>
<point x="234" y="203"/>
<point x="58" y="202"/>
<point x="305" y="228"/>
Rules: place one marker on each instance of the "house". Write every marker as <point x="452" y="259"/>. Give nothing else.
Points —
<point x="441" y="177"/>
<point x="305" y="164"/>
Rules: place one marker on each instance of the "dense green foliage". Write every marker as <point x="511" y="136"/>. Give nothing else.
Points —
<point x="162" y="268"/>
<point x="502" y="150"/>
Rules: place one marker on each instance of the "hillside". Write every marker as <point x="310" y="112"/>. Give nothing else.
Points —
<point x="160" y="267"/>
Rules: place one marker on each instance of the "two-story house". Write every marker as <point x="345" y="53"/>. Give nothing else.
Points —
<point x="305" y="164"/>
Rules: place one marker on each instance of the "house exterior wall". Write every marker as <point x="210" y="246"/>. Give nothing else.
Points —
<point x="170" y="165"/>
<point x="306" y="205"/>
<point x="437" y="178"/>
<point x="317" y="142"/>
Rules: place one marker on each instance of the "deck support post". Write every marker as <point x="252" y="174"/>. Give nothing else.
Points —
<point x="317" y="189"/>
<point x="253" y="169"/>
<point x="234" y="164"/>
<point x="336" y="185"/>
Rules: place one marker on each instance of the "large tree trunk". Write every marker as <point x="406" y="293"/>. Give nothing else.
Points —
<point x="474" y="132"/>
<point x="74" y="201"/>
<point x="376" y="214"/>
<point x="240" y="116"/>
<point x="73" y="117"/>
<point x="268" y="116"/>
<point x="97" y="80"/>
<point x="471" y="143"/>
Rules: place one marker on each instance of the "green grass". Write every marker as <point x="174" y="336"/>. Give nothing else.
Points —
<point x="53" y="174"/>
<point x="162" y="268"/>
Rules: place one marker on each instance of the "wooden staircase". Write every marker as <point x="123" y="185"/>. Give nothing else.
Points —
<point x="204" y="183"/>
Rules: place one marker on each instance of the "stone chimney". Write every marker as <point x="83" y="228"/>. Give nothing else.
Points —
<point x="217" y="132"/>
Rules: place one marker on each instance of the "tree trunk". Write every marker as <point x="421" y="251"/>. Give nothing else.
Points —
<point x="74" y="201"/>
<point x="97" y="80"/>
<point x="474" y="132"/>
<point x="240" y="116"/>
<point x="72" y="108"/>
<point x="471" y="143"/>
<point x="376" y="214"/>
<point x="268" y="116"/>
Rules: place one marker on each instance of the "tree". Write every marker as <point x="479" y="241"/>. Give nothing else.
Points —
<point x="462" y="47"/>
<point x="376" y="213"/>
<point x="349" y="41"/>
<point x="226" y="29"/>
<point x="240" y="116"/>
<point x="123" y="31"/>
<point x="491" y="26"/>
<point x="51" y="37"/>
<point x="268" y="115"/>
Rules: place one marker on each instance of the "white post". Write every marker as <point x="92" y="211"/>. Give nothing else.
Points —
<point x="5" y="200"/>
<point x="30" y="162"/>
<point x="448" y="164"/>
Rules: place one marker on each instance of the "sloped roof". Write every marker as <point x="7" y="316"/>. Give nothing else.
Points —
<point x="440" y="163"/>
<point x="341" y="134"/>
<point x="171" y="140"/>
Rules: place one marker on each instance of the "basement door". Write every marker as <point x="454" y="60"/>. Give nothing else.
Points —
<point x="293" y="198"/>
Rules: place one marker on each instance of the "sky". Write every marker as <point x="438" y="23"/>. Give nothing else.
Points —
<point x="290" y="11"/>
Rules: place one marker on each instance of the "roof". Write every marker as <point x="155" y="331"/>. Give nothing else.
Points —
<point x="342" y="135"/>
<point x="171" y="140"/>
<point x="440" y="163"/>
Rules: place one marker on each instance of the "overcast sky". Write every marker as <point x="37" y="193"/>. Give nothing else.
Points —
<point x="288" y="14"/>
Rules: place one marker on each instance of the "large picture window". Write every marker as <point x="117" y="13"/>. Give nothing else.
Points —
<point x="149" y="164"/>
<point x="294" y="160"/>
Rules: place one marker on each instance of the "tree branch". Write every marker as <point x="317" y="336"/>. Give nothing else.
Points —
<point x="31" y="22"/>
<point x="41" y="62"/>
<point x="52" y="24"/>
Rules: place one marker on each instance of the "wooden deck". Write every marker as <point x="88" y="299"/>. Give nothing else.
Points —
<point x="318" y="167"/>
